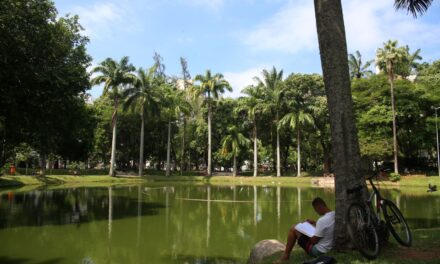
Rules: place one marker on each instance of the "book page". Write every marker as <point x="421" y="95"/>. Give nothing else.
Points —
<point x="306" y="228"/>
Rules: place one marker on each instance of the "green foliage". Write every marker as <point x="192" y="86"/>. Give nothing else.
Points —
<point x="43" y="74"/>
<point x="394" y="177"/>
<point x="357" y="68"/>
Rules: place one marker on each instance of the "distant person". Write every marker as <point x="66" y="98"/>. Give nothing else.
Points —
<point x="320" y="238"/>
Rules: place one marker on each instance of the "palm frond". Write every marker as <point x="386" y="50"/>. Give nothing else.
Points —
<point x="415" y="7"/>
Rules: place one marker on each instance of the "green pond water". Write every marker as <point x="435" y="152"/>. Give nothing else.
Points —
<point x="165" y="224"/>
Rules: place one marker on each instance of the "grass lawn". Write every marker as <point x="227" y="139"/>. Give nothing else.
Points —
<point x="285" y="181"/>
<point x="89" y="180"/>
<point x="425" y="249"/>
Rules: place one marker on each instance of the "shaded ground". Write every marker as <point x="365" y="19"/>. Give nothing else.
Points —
<point x="425" y="249"/>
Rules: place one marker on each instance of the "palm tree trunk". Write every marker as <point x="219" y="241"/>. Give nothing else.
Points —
<point x="113" y="154"/>
<point x="182" y="155"/>
<point x="209" y="169"/>
<point x="255" y="151"/>
<point x="393" y="110"/>
<point x="141" y="146"/>
<point x="278" y="149"/>
<point x="298" y="144"/>
<point x="235" y="166"/>
<point x="168" y="149"/>
<point x="347" y="160"/>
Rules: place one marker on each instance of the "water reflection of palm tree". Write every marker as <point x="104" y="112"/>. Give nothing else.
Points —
<point x="299" y="203"/>
<point x="255" y="205"/>
<point x="208" y="216"/>
<point x="278" y="209"/>
<point x="139" y="213"/>
<point x="110" y="218"/>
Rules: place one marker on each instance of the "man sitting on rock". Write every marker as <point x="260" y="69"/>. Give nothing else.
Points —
<point x="322" y="239"/>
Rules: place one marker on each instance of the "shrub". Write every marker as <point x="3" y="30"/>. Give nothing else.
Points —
<point x="394" y="177"/>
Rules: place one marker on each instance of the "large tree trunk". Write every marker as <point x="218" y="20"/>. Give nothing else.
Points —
<point x="113" y="154"/>
<point x="347" y="160"/>
<point x="298" y="149"/>
<point x="255" y="151"/>
<point x="209" y="169"/>
<point x="278" y="149"/>
<point x="393" y="110"/>
<point x="168" y="149"/>
<point x="141" y="147"/>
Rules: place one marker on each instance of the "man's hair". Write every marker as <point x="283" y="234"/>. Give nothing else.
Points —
<point x="318" y="201"/>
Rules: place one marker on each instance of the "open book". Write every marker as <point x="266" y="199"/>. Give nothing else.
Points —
<point x="306" y="228"/>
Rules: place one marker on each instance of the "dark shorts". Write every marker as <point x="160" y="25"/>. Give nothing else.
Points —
<point x="304" y="242"/>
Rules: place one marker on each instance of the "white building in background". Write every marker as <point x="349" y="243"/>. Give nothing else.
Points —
<point x="180" y="84"/>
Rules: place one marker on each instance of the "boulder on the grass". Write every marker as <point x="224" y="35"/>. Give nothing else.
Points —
<point x="264" y="249"/>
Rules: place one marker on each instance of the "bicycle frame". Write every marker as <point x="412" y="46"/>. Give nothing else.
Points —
<point x="374" y="195"/>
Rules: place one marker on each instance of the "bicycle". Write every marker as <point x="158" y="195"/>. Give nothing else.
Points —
<point x="364" y="222"/>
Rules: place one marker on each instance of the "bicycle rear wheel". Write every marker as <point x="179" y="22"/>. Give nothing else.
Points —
<point x="362" y="231"/>
<point x="396" y="223"/>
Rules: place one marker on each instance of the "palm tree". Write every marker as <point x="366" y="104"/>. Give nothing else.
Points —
<point x="114" y="75"/>
<point x="211" y="86"/>
<point x="333" y="52"/>
<point x="175" y="105"/>
<point x="410" y="61"/>
<point x="387" y="58"/>
<point x="357" y="69"/>
<point x="295" y="120"/>
<point x="252" y="105"/>
<point x="231" y="143"/>
<point x="143" y="98"/>
<point x="415" y="7"/>
<point x="272" y="84"/>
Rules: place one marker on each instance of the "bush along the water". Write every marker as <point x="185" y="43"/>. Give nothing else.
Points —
<point x="394" y="177"/>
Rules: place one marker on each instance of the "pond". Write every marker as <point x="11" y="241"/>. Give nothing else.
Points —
<point x="164" y="224"/>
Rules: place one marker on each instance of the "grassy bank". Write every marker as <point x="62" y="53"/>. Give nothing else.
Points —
<point x="90" y="180"/>
<point x="425" y="249"/>
<point x="285" y="181"/>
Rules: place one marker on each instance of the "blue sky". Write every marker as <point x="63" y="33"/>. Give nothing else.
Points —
<point x="239" y="38"/>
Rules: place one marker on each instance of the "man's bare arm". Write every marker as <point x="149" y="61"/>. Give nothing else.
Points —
<point x="312" y="222"/>
<point x="314" y="240"/>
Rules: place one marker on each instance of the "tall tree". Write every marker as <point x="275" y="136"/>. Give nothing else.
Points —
<point x="231" y="143"/>
<point x="115" y="76"/>
<point x="356" y="66"/>
<point x="175" y="105"/>
<point x="333" y="52"/>
<point x="211" y="87"/>
<point x="387" y="58"/>
<point x="252" y="105"/>
<point x="43" y="76"/>
<point x="186" y="81"/>
<point x="143" y="97"/>
<point x="346" y="153"/>
<point x="296" y="119"/>
<point x="272" y="83"/>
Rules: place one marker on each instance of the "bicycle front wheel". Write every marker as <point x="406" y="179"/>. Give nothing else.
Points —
<point x="396" y="223"/>
<point x="362" y="231"/>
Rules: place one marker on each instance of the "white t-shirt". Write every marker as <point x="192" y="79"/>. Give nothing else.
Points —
<point x="324" y="230"/>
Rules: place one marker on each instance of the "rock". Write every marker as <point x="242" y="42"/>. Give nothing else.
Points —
<point x="264" y="249"/>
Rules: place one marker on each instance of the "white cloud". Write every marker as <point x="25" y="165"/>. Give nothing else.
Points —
<point x="368" y="24"/>
<point x="290" y="30"/>
<point x="102" y="19"/>
<point x="239" y="80"/>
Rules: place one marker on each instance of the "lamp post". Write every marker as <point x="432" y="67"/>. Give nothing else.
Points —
<point x="436" y="133"/>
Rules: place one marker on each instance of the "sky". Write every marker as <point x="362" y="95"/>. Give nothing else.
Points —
<point x="240" y="38"/>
